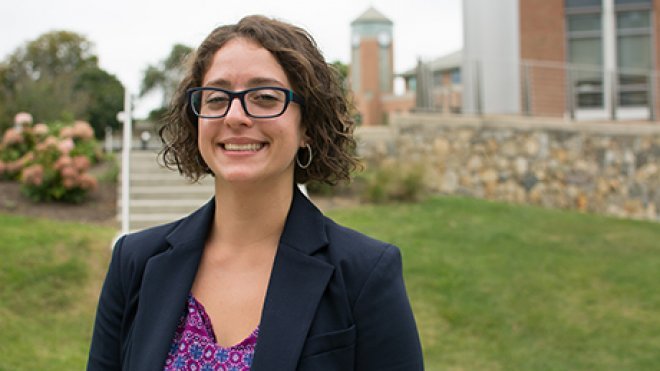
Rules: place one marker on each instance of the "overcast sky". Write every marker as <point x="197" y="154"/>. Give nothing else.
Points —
<point x="130" y="34"/>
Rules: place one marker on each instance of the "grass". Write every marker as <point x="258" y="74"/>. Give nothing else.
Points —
<point x="493" y="286"/>
<point x="50" y="277"/>
<point x="504" y="287"/>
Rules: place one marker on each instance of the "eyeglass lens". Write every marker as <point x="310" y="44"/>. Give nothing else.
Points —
<point x="264" y="102"/>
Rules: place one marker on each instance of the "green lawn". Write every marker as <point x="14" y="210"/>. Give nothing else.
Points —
<point x="503" y="287"/>
<point x="50" y="277"/>
<point x="493" y="286"/>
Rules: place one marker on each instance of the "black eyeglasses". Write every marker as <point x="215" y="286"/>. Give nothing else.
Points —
<point x="261" y="102"/>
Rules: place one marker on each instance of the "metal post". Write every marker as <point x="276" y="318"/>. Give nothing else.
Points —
<point x="477" y="88"/>
<point x="651" y="86"/>
<point x="570" y="92"/>
<point x="527" y="98"/>
<point x="126" y="152"/>
<point x="614" y="95"/>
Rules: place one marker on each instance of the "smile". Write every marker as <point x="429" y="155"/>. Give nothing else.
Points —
<point x="242" y="147"/>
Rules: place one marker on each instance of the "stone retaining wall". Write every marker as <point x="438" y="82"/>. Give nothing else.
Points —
<point x="596" y="167"/>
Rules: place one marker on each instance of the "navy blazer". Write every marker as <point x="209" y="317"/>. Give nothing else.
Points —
<point x="336" y="299"/>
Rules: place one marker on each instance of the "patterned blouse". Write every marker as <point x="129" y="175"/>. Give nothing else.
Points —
<point x="194" y="347"/>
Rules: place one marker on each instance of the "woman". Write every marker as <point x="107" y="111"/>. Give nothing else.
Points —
<point x="257" y="279"/>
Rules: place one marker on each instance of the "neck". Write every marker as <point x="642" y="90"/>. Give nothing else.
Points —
<point x="249" y="215"/>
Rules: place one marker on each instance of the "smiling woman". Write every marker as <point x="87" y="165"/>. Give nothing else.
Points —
<point x="257" y="279"/>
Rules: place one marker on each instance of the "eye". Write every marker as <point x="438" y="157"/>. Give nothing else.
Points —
<point x="264" y="96"/>
<point x="216" y="99"/>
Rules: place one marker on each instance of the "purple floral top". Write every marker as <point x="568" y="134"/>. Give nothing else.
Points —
<point x="194" y="347"/>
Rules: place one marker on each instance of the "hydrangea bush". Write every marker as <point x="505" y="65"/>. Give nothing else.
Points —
<point x="50" y="161"/>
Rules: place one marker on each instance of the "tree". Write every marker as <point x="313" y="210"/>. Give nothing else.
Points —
<point x="164" y="77"/>
<point x="57" y="77"/>
<point x="105" y="97"/>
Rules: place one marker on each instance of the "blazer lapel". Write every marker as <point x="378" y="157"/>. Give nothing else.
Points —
<point x="296" y="286"/>
<point x="167" y="280"/>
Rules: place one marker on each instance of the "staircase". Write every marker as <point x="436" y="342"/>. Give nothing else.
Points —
<point x="159" y="195"/>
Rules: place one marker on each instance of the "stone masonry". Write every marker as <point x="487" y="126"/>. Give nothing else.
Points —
<point x="602" y="168"/>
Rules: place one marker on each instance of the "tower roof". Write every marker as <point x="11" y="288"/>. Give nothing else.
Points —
<point x="371" y="15"/>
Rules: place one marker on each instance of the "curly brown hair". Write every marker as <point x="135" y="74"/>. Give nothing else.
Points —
<point x="326" y="117"/>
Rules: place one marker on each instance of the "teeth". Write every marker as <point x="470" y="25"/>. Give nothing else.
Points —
<point x="243" y="147"/>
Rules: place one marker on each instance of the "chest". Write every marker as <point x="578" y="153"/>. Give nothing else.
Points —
<point x="232" y="292"/>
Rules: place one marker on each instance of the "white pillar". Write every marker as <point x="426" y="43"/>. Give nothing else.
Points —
<point x="609" y="55"/>
<point x="126" y="153"/>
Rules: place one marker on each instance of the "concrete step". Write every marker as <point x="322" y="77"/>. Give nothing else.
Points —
<point x="164" y="180"/>
<point x="156" y="207"/>
<point x="142" y="221"/>
<point x="168" y="193"/>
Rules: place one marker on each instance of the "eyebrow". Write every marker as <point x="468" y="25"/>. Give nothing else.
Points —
<point x="254" y="82"/>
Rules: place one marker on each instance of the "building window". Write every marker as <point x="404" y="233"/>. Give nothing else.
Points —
<point x="456" y="76"/>
<point x="585" y="52"/>
<point x="634" y="51"/>
<point x="582" y="3"/>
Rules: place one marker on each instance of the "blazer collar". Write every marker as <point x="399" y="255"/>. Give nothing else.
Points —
<point x="296" y="285"/>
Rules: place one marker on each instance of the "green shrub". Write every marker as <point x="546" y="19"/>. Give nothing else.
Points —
<point x="393" y="181"/>
<point x="51" y="168"/>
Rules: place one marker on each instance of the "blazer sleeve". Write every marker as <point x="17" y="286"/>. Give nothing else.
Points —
<point x="387" y="337"/>
<point x="105" y="350"/>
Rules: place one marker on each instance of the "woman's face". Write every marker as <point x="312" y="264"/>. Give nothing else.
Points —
<point x="239" y="148"/>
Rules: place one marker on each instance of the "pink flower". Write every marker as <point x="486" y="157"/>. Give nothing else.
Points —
<point x="12" y="136"/>
<point x="65" y="146"/>
<point x="83" y="130"/>
<point x="33" y="175"/>
<point x="69" y="172"/>
<point x="88" y="182"/>
<point x="50" y="142"/>
<point x="23" y="118"/>
<point x="69" y="183"/>
<point x="62" y="162"/>
<point x="81" y="163"/>
<point x="66" y="132"/>
<point x="14" y="166"/>
<point x="40" y="129"/>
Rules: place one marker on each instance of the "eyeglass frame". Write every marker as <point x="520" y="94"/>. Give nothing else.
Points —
<point x="290" y="96"/>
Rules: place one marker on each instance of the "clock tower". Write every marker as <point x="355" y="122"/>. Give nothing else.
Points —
<point x="372" y="64"/>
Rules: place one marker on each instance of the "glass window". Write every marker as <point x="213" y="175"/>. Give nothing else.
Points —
<point x="582" y="3"/>
<point x="621" y="2"/>
<point x="584" y="22"/>
<point x="456" y="76"/>
<point x="585" y="56"/>
<point x="633" y="19"/>
<point x="634" y="56"/>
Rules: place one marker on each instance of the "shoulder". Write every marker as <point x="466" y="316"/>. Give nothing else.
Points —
<point x="360" y="259"/>
<point x="349" y="243"/>
<point x="135" y="249"/>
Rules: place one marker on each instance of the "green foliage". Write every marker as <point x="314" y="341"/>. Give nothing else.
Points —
<point x="507" y="287"/>
<point x="56" y="77"/>
<point x="105" y="97"/>
<point x="165" y="76"/>
<point x="394" y="182"/>
<point x="50" y="274"/>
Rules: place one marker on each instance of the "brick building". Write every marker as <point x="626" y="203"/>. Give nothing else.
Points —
<point x="587" y="59"/>
<point x="372" y="64"/>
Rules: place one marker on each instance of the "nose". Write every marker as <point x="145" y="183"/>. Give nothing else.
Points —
<point x="236" y="115"/>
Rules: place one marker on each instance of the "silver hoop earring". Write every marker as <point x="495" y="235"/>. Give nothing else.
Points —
<point x="309" y="160"/>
